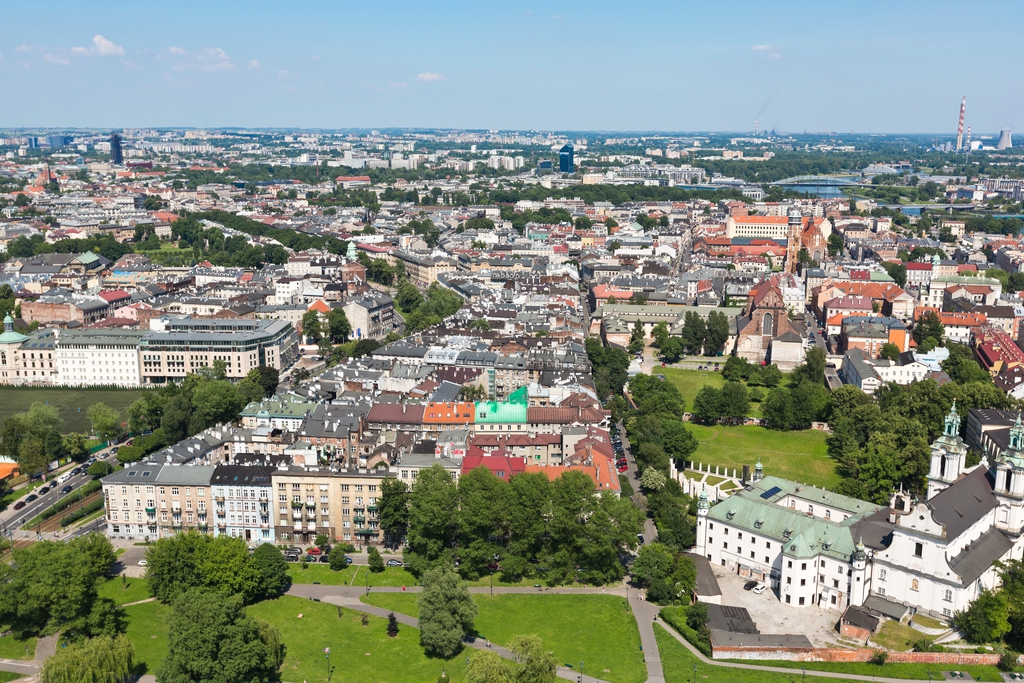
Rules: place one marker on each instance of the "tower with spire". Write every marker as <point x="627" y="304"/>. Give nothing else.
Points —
<point x="949" y="455"/>
<point x="758" y="471"/>
<point x="1007" y="472"/>
<point x="703" y="506"/>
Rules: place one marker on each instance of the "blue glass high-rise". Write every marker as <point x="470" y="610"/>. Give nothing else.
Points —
<point x="565" y="159"/>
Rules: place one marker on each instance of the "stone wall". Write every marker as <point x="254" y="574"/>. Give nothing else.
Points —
<point x="853" y="655"/>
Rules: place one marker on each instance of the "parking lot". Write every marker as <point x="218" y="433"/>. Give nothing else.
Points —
<point x="130" y="561"/>
<point x="772" y="616"/>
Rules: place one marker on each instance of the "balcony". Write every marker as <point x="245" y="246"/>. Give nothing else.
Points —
<point x="310" y="504"/>
<point x="311" y="514"/>
<point x="264" y="525"/>
<point x="297" y="527"/>
<point x="371" y="508"/>
<point x="222" y="525"/>
<point x="311" y="528"/>
<point x="366" y="532"/>
<point x="359" y="519"/>
<point x="296" y="505"/>
<point x="219" y="499"/>
<point x="358" y="506"/>
<point x="150" y="511"/>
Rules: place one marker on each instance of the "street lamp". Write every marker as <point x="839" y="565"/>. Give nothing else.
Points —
<point x="694" y="672"/>
<point x="327" y="653"/>
<point x="581" y="671"/>
<point x="367" y="576"/>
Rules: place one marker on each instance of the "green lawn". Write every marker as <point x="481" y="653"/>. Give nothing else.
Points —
<point x="6" y="677"/>
<point x="799" y="456"/>
<point x="68" y="401"/>
<point x="910" y="671"/>
<point x="597" y="629"/>
<point x="689" y="382"/>
<point x="320" y="573"/>
<point x="147" y="629"/>
<point x="12" y="648"/>
<point x="391" y="576"/>
<point x="358" y="653"/>
<point x="124" y="591"/>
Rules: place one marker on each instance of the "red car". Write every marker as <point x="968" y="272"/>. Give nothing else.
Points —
<point x="622" y="468"/>
<point x="314" y="551"/>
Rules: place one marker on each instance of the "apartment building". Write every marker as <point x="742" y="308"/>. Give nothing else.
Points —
<point x="340" y="504"/>
<point x="176" y="347"/>
<point x="150" y="500"/>
<point x="99" y="357"/>
<point x="241" y="503"/>
<point x="371" y="315"/>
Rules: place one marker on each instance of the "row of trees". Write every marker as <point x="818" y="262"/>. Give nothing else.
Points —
<point x="558" y="531"/>
<point x="740" y="369"/>
<point x="609" y="367"/>
<point x="730" y="403"/>
<point x="997" y="614"/>
<point x="655" y="429"/>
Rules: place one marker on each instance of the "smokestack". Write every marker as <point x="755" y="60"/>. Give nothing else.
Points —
<point x="960" y="127"/>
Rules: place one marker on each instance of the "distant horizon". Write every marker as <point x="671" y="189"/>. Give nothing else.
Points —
<point x="551" y="65"/>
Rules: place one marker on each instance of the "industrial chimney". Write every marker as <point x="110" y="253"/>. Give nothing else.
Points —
<point x="1005" y="139"/>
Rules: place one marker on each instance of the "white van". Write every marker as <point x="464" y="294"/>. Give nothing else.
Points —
<point x="64" y="477"/>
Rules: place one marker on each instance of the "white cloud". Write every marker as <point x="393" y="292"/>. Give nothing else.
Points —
<point x="101" y="47"/>
<point x="206" y="59"/>
<point x="775" y="55"/>
<point x="24" y="48"/>
<point x="399" y="85"/>
<point x="427" y="76"/>
<point x="254" y="64"/>
<point x="281" y="73"/>
<point x="57" y="58"/>
<point x="761" y="48"/>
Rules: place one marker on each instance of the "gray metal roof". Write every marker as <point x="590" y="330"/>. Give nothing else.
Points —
<point x="976" y="558"/>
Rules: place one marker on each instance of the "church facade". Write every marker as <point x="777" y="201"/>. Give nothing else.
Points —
<point x="764" y="331"/>
<point x="933" y="554"/>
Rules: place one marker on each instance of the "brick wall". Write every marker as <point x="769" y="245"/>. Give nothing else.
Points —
<point x="795" y="654"/>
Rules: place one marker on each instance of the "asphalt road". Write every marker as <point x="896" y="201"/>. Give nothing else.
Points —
<point x="11" y="519"/>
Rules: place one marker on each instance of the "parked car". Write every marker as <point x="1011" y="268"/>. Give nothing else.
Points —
<point x="761" y="588"/>
<point x="66" y="490"/>
<point x="43" y="491"/>
<point x="750" y="585"/>
<point x="31" y="497"/>
<point x="292" y="557"/>
<point x="20" y="504"/>
<point x="143" y="563"/>
<point x="76" y="471"/>
<point x="640" y="539"/>
<point x="394" y="563"/>
<point x="324" y="559"/>
<point x="315" y="551"/>
<point x="348" y="560"/>
<point x="622" y="469"/>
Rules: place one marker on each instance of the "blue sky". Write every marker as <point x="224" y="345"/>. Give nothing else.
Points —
<point x="893" y="66"/>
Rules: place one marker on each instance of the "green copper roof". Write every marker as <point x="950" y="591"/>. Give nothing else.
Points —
<point x="491" y="412"/>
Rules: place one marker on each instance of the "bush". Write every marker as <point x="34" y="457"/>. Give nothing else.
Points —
<point x="879" y="657"/>
<point x="677" y="618"/>
<point x="92" y="507"/>
<point x="1008" y="660"/>
<point x="337" y="558"/>
<point x="375" y="561"/>
<point x="71" y="499"/>
<point x="141" y="447"/>
<point x="925" y="645"/>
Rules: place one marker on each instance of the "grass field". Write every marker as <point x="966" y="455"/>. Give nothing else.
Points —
<point x="320" y="573"/>
<point x="147" y="629"/>
<point x="888" y="670"/>
<point x="68" y="401"/>
<point x="689" y="382"/>
<point x="358" y="653"/>
<point x="799" y="456"/>
<point x="391" y="576"/>
<point x="124" y="591"/>
<point x="597" y="629"/>
<point x="12" y="648"/>
<point x="6" y="676"/>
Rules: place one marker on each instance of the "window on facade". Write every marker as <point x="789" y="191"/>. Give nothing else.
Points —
<point x="880" y="591"/>
<point x="801" y="601"/>
<point x="914" y="585"/>
<point x="918" y="549"/>
<point x="947" y="595"/>
<point x="788" y="600"/>
<point x="881" y="574"/>
<point x="803" y="582"/>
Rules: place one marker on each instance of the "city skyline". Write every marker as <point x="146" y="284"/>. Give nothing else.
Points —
<point x="549" y="66"/>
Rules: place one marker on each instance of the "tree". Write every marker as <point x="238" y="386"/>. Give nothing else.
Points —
<point x="177" y="414"/>
<point x="672" y="348"/>
<point x="652" y="480"/>
<point x="707" y="405"/>
<point x="337" y="558"/>
<point x="777" y="409"/>
<point x="376" y="562"/>
<point x="392" y="625"/>
<point x="273" y="570"/>
<point x="669" y="576"/>
<point x="267" y="378"/>
<point x="104" y="659"/>
<point x="53" y="588"/>
<point x="105" y="421"/>
<point x="735" y="403"/>
<point x="534" y="664"/>
<point x="716" y="333"/>
<point x="75" y="446"/>
<point x="771" y="376"/>
<point x="813" y="368"/>
<point x="835" y="244"/>
<point x="447" y="612"/>
<point x="433" y="520"/>
<point x="487" y="667"/>
<point x="393" y="509"/>
<point x="33" y="438"/>
<point x="408" y="297"/>
<point x="214" y="402"/>
<point x="480" y="324"/>
<point x="179" y="563"/>
<point x="660" y="333"/>
<point x="312" y="328"/>
<point x="890" y="351"/>
<point x="338" y="326"/>
<point x="211" y="638"/>
<point x="99" y="468"/>
<point x="986" y="620"/>
<point x="929" y="326"/>
<point x="694" y="330"/>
